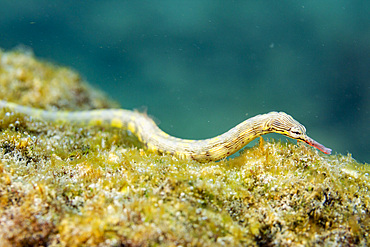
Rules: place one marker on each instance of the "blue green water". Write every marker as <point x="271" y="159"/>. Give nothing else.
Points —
<point x="201" y="67"/>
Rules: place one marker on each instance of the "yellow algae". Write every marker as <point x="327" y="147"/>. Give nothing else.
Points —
<point x="67" y="185"/>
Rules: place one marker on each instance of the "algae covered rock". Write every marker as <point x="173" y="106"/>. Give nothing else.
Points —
<point x="70" y="185"/>
<point x="28" y="81"/>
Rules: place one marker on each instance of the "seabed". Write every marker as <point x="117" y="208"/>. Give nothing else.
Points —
<point x="70" y="185"/>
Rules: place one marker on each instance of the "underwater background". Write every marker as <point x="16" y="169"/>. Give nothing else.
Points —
<point x="201" y="67"/>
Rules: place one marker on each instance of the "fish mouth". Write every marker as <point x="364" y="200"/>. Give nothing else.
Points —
<point x="317" y="145"/>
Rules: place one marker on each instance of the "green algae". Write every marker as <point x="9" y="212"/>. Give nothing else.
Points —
<point x="69" y="185"/>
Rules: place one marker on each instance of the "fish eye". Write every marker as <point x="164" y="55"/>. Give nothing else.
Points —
<point x="295" y="131"/>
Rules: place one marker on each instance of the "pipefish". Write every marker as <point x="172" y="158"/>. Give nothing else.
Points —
<point x="156" y="140"/>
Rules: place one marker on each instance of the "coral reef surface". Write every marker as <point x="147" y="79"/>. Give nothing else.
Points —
<point x="70" y="185"/>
